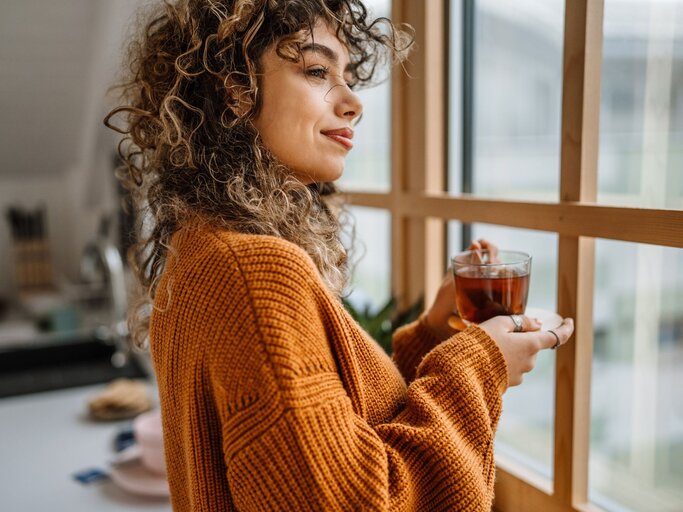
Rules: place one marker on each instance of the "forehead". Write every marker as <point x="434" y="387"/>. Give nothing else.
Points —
<point x="325" y="35"/>
<point x="322" y="42"/>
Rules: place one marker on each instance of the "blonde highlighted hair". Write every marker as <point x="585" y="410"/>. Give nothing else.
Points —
<point x="188" y="154"/>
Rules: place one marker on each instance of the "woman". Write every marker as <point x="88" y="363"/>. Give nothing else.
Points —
<point x="239" y="117"/>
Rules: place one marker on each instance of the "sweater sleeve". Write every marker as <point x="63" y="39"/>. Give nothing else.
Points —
<point x="293" y="441"/>
<point x="410" y="344"/>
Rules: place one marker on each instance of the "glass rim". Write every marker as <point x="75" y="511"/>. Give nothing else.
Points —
<point x="522" y="258"/>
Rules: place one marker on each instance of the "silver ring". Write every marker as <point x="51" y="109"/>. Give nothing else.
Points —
<point x="556" y="337"/>
<point x="519" y="323"/>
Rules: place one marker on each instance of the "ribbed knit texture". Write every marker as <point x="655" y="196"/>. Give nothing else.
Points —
<point x="273" y="398"/>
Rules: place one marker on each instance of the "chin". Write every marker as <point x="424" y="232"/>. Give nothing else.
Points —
<point x="335" y="176"/>
<point x="332" y="173"/>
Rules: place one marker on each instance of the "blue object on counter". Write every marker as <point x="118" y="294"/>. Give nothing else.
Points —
<point x="90" y="475"/>
<point x="124" y="439"/>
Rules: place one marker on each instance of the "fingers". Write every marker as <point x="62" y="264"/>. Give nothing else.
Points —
<point x="528" y="323"/>
<point x="484" y="245"/>
<point x="520" y="349"/>
<point x="563" y="332"/>
<point x="476" y="257"/>
<point x="544" y="339"/>
<point x="491" y="247"/>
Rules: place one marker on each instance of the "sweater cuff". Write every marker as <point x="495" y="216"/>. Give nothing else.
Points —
<point x="499" y="368"/>
<point x="472" y="347"/>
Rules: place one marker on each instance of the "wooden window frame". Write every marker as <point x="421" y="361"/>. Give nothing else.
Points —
<point x="420" y="207"/>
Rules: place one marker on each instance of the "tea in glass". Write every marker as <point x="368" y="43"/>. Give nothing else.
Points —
<point x="488" y="286"/>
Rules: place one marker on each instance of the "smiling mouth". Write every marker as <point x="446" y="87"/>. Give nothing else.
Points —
<point x="344" y="141"/>
<point x="342" y="136"/>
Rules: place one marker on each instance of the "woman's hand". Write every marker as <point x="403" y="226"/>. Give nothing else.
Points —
<point x="521" y="348"/>
<point x="443" y="306"/>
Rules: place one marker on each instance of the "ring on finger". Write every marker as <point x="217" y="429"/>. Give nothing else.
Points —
<point x="557" y="344"/>
<point x="519" y="323"/>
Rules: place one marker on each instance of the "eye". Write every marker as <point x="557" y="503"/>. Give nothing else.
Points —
<point x="318" y="72"/>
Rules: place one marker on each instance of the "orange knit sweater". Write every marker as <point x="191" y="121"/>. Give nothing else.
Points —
<point x="273" y="398"/>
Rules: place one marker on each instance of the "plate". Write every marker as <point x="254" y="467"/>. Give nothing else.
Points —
<point x="549" y="319"/>
<point x="133" y="477"/>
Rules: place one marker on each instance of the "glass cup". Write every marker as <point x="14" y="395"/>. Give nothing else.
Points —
<point x="487" y="286"/>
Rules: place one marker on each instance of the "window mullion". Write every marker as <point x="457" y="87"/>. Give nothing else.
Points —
<point x="419" y="150"/>
<point x="578" y="182"/>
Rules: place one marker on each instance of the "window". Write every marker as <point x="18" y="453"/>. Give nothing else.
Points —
<point x="370" y="259"/>
<point x="636" y="436"/>
<point x="567" y="136"/>
<point x="516" y="96"/>
<point x="641" y="126"/>
<point x="368" y="169"/>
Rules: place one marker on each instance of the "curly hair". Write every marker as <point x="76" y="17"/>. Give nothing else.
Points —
<point x="188" y="154"/>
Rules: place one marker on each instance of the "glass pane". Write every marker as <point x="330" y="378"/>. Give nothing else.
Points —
<point x="526" y="426"/>
<point x="636" y="450"/>
<point x="371" y="258"/>
<point x="517" y="86"/>
<point x="641" y="115"/>
<point x="368" y="163"/>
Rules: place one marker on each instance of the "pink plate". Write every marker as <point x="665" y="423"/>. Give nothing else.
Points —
<point x="135" y="478"/>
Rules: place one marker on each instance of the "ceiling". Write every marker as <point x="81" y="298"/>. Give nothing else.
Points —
<point x="56" y="59"/>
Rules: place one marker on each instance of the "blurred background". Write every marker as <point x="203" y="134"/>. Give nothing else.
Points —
<point x="63" y="282"/>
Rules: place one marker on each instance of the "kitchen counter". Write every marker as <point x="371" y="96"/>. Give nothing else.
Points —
<point x="45" y="439"/>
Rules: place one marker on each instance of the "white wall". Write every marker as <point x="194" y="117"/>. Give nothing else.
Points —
<point x="58" y="60"/>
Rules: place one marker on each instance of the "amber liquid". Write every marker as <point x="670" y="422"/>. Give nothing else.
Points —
<point x="479" y="298"/>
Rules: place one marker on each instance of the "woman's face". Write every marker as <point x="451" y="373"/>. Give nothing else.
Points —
<point x="307" y="108"/>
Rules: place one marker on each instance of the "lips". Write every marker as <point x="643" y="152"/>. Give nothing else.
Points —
<point x="342" y="135"/>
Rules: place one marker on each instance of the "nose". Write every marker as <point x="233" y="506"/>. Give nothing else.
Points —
<point x="348" y="105"/>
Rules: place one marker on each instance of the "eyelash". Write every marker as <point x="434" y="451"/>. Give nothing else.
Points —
<point x="321" y="73"/>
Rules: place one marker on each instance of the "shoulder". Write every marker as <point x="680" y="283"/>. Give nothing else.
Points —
<point x="264" y="268"/>
<point x="204" y="250"/>
<point x="265" y="290"/>
<point x="255" y="303"/>
<point x="211" y="247"/>
<point x="259" y="253"/>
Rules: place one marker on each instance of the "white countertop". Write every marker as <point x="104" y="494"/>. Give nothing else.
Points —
<point x="47" y="437"/>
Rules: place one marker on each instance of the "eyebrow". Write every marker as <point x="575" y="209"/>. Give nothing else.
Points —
<point x="326" y="51"/>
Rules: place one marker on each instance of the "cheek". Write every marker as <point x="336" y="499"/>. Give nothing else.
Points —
<point x="290" y="122"/>
<point x="307" y="103"/>
<point x="296" y="118"/>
